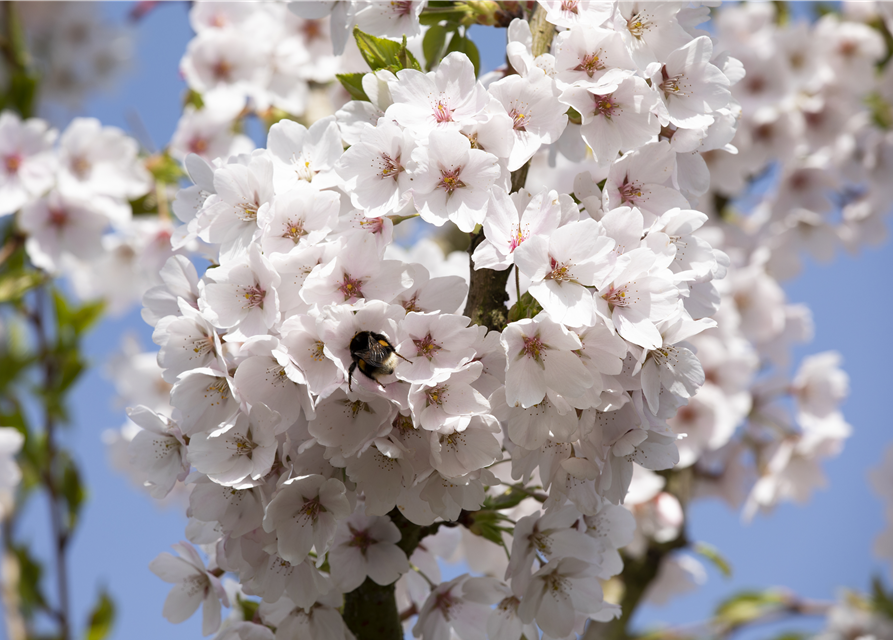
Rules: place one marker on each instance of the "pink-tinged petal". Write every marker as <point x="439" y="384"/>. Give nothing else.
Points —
<point x="651" y="385"/>
<point x="566" y="374"/>
<point x="637" y="328"/>
<point x="525" y="382"/>
<point x="210" y="614"/>
<point x="532" y="257"/>
<point x="387" y="563"/>
<point x="183" y="600"/>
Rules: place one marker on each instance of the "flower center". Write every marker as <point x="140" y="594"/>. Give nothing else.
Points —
<point x="360" y="539"/>
<point x="618" y="297"/>
<point x="442" y="112"/>
<point x="220" y="388"/>
<point x="198" y="145"/>
<point x="437" y="395"/>
<point x="316" y="351"/>
<point x="449" y="180"/>
<point x="427" y="347"/>
<point x="372" y="225"/>
<point x="638" y="24"/>
<point x="203" y="346"/>
<point x="312" y="30"/>
<point x="518" y="236"/>
<point x="390" y="167"/>
<point x="560" y="271"/>
<point x="590" y="63"/>
<point x="520" y="119"/>
<point x="672" y="84"/>
<point x="294" y="229"/>
<point x="604" y="105"/>
<point x="80" y="167"/>
<point x="533" y="348"/>
<point x="244" y="446"/>
<point x="401" y="7"/>
<point x="222" y="70"/>
<point x="303" y="168"/>
<point x="58" y="218"/>
<point x="254" y="297"/>
<point x="12" y="163"/>
<point x="351" y="287"/>
<point x="311" y="509"/>
<point x="630" y="192"/>
<point x="570" y="6"/>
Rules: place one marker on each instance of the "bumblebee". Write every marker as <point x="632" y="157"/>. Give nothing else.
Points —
<point x="373" y="355"/>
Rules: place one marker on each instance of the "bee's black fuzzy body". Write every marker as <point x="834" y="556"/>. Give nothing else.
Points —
<point x="373" y="354"/>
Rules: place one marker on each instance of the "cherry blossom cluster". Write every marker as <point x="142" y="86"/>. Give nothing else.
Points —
<point x="72" y="194"/>
<point x="256" y="58"/>
<point x="75" y="49"/>
<point x="816" y="114"/>
<point x="295" y="449"/>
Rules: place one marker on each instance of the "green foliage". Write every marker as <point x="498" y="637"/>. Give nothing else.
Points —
<point x="488" y="525"/>
<point x="748" y="606"/>
<point x="165" y="169"/>
<point x="194" y="98"/>
<point x="101" y="619"/>
<point x="381" y="53"/>
<point x="30" y="572"/>
<point x="453" y="13"/>
<point x="881" y="600"/>
<point x="463" y="44"/>
<point x="525" y="307"/>
<point x="15" y="283"/>
<point x="711" y="553"/>
<point x="21" y="90"/>
<point x="248" y="607"/>
<point x="71" y="488"/>
<point x="881" y="111"/>
<point x="434" y="44"/>
<point x="353" y="84"/>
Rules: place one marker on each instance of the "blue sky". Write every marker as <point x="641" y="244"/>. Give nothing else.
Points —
<point x="813" y="549"/>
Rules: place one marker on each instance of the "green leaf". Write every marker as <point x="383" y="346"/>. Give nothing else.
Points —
<point x="76" y="318"/>
<point x="72" y="490"/>
<point x="510" y="498"/>
<point x="381" y="53"/>
<point x="353" y="84"/>
<point x="145" y="205"/>
<point x="526" y="307"/>
<point x="433" y="44"/>
<point x="22" y="92"/>
<point x="194" y="98"/>
<point x="487" y="525"/>
<point x="248" y="607"/>
<point x="30" y="572"/>
<point x="102" y="617"/>
<point x="747" y="606"/>
<point x="16" y="283"/>
<point x="463" y="44"/>
<point x="165" y="169"/>
<point x="881" y="110"/>
<point x="881" y="601"/>
<point x="712" y="554"/>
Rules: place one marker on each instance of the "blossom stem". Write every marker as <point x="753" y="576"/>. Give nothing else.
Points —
<point x="38" y="317"/>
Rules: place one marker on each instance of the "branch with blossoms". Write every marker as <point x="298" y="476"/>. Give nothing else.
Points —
<point x="590" y="303"/>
